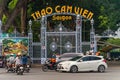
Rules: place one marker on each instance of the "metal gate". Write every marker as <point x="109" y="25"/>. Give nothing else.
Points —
<point x="60" y="40"/>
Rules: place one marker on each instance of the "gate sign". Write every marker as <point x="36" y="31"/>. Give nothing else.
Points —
<point x="62" y="9"/>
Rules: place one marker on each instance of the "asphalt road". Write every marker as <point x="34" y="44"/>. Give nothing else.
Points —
<point x="112" y="73"/>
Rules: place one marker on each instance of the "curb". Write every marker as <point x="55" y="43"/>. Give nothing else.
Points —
<point x="36" y="65"/>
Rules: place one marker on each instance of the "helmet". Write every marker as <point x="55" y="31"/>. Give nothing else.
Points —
<point x="11" y="54"/>
<point x="19" y="53"/>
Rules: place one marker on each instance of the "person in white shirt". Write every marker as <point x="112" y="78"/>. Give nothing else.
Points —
<point x="11" y="59"/>
<point x="17" y="62"/>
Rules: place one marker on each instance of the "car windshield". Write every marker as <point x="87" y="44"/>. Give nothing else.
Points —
<point x="75" y="58"/>
<point x="68" y="55"/>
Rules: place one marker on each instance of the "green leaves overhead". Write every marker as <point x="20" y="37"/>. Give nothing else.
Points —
<point x="12" y="4"/>
<point x="4" y="19"/>
<point x="106" y="13"/>
<point x="103" y="20"/>
<point x="109" y="13"/>
<point x="114" y="41"/>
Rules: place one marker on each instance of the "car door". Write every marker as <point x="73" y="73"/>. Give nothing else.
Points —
<point x="83" y="64"/>
<point x="94" y="61"/>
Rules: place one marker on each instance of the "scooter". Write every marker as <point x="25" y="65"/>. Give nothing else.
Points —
<point x="20" y="70"/>
<point x="49" y="65"/>
<point x="11" y="68"/>
<point x="27" y="68"/>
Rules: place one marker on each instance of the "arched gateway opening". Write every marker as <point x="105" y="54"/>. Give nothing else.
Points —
<point x="60" y="39"/>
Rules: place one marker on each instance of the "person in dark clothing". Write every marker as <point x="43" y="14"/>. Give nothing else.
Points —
<point x="29" y="61"/>
<point x="24" y="60"/>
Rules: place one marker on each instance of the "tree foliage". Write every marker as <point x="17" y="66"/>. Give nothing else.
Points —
<point x="114" y="41"/>
<point x="106" y="13"/>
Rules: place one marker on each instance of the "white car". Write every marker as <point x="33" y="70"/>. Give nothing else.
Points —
<point x="67" y="56"/>
<point x="83" y="63"/>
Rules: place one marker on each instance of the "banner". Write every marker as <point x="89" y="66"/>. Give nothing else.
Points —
<point x="16" y="46"/>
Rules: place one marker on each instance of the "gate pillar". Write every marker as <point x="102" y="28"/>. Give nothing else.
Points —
<point x="30" y="37"/>
<point x="43" y="40"/>
<point x="0" y="37"/>
<point x="78" y="34"/>
<point x="93" y="43"/>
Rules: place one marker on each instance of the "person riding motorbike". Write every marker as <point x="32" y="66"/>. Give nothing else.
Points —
<point x="18" y="62"/>
<point x="10" y="63"/>
<point x="50" y="64"/>
<point x="29" y="61"/>
<point x="10" y="60"/>
<point x="24" y="60"/>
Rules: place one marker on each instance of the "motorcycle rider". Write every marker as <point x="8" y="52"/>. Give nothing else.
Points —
<point x="10" y="60"/>
<point x="17" y="62"/>
<point x="29" y="61"/>
<point x="24" y="60"/>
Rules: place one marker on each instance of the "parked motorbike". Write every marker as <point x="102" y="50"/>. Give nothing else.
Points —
<point x="49" y="65"/>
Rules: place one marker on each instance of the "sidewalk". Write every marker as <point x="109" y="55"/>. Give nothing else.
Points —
<point x="36" y="65"/>
<point x="113" y="63"/>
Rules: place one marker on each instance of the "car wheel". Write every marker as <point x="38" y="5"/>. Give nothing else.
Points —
<point x="74" y="69"/>
<point x="101" y="68"/>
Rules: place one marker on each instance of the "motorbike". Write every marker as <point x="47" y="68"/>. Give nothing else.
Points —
<point x="20" y="70"/>
<point x="11" y="68"/>
<point x="27" y="68"/>
<point x="49" y="65"/>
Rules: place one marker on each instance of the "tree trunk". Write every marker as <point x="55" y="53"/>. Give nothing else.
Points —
<point x="23" y="18"/>
<point x="3" y="8"/>
<point x="15" y="12"/>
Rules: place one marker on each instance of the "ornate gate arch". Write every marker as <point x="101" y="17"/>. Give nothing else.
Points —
<point x="50" y="39"/>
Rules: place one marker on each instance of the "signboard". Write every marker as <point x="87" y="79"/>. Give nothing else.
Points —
<point x="14" y="46"/>
<point x="63" y="9"/>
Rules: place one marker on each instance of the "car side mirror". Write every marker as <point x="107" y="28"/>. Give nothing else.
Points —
<point x="80" y="60"/>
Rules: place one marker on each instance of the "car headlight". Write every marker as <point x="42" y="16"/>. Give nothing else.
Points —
<point x="28" y="66"/>
<point x="21" y="67"/>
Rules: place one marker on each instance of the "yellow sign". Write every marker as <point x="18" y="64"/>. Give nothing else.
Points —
<point x="62" y="9"/>
<point x="62" y="18"/>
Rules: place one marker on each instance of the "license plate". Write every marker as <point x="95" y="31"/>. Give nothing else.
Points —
<point x="28" y="66"/>
<point x="21" y="67"/>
